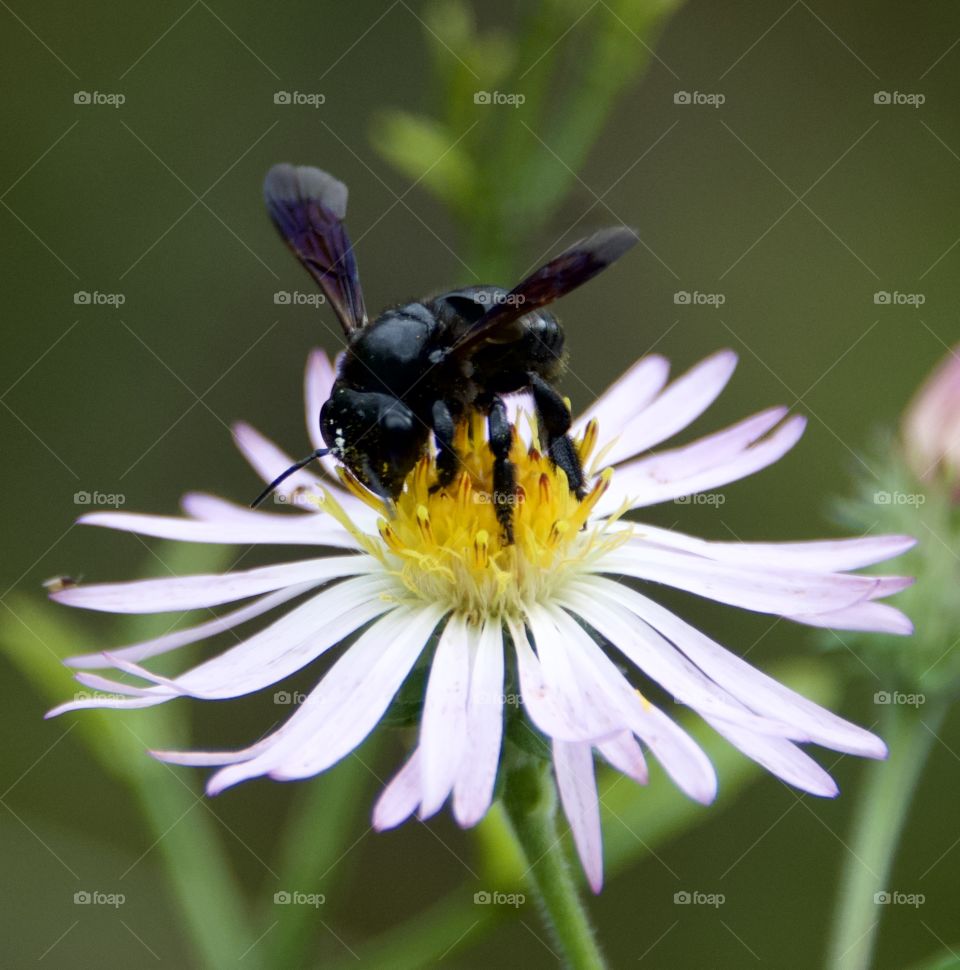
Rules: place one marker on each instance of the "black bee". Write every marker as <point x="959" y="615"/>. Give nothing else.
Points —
<point x="418" y="367"/>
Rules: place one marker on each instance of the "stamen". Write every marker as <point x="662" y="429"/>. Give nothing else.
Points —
<point x="558" y="530"/>
<point x="545" y="491"/>
<point x="593" y="496"/>
<point x="389" y="536"/>
<point x="357" y="489"/>
<point x="481" y="549"/>
<point x="423" y="520"/>
<point x="447" y="544"/>
<point x="588" y="441"/>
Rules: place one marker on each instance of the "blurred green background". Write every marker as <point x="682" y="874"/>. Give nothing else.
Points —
<point x="797" y="200"/>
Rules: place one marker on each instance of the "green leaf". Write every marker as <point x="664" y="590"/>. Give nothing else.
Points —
<point x="942" y="961"/>
<point x="35" y="636"/>
<point x="426" y="152"/>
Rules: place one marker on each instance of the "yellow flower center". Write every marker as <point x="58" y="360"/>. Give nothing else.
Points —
<point x="446" y="545"/>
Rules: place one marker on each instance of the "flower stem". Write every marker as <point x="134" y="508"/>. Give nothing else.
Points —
<point x="530" y="800"/>
<point x="878" y="822"/>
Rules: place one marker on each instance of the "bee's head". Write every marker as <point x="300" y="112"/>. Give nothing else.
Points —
<point x="375" y="435"/>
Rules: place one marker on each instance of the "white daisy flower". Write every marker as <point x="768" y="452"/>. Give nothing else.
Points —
<point x="548" y="617"/>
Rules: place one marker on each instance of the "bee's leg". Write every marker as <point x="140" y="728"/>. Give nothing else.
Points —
<point x="553" y="419"/>
<point x="444" y="428"/>
<point x="500" y="435"/>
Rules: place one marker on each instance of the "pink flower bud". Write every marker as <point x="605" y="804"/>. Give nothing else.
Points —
<point x="931" y="423"/>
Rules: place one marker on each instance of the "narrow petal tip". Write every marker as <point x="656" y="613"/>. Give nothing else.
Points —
<point x="727" y="354"/>
<point x="878" y="750"/>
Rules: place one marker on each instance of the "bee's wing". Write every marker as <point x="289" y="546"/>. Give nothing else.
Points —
<point x="572" y="268"/>
<point x="308" y="207"/>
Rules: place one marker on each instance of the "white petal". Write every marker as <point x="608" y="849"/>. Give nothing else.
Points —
<point x="638" y="488"/>
<point x="100" y="683"/>
<point x="736" y="723"/>
<point x="783" y="591"/>
<point x="661" y="661"/>
<point x="196" y="592"/>
<point x="284" y="647"/>
<point x="762" y="694"/>
<point x="624" y="754"/>
<point x="627" y="396"/>
<point x="552" y="714"/>
<point x="317" y="383"/>
<point x="268" y="461"/>
<point x="180" y="638"/>
<point x="443" y="726"/>
<point x="318" y="380"/>
<point x="580" y="713"/>
<point x="399" y="800"/>
<point x="473" y="790"/>
<point x="781" y="758"/>
<point x="105" y="702"/>
<point x="573" y="764"/>
<point x="824" y="555"/>
<point x="680" y="404"/>
<point x="605" y="685"/>
<point x="872" y="617"/>
<point x="519" y="406"/>
<point x="344" y="707"/>
<point x="704" y="453"/>
<point x="309" y="516"/>
<point x="201" y="759"/>
<point x="260" y="527"/>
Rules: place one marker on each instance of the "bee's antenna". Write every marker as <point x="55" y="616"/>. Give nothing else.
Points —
<point x="280" y="479"/>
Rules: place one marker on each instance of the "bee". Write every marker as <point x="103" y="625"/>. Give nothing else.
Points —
<point x="416" y="370"/>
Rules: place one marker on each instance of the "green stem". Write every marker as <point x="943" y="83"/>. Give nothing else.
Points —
<point x="530" y="800"/>
<point x="878" y="822"/>
<point x="322" y="819"/>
